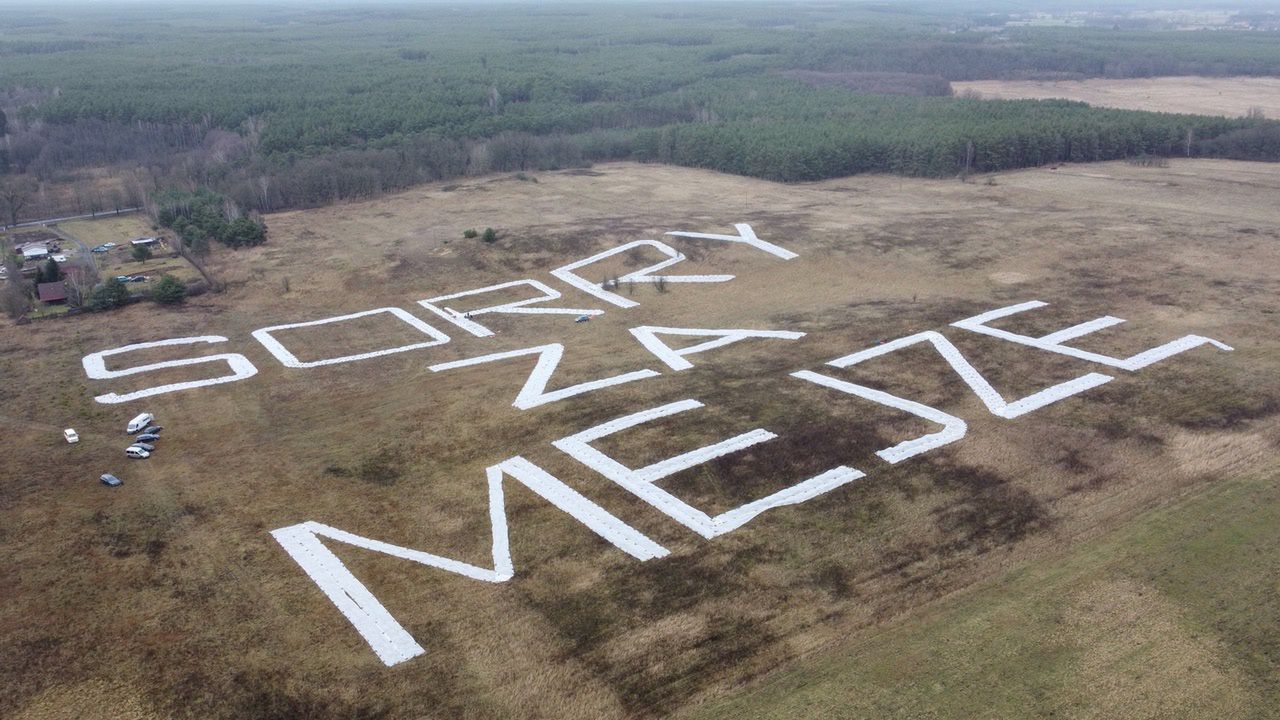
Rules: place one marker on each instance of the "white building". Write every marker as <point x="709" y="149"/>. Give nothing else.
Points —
<point x="35" y="251"/>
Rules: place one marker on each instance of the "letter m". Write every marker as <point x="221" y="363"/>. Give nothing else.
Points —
<point x="388" y="639"/>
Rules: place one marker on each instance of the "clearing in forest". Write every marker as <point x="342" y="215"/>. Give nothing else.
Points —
<point x="1226" y="96"/>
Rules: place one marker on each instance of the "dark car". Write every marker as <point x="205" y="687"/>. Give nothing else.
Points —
<point x="152" y="430"/>
<point x="145" y="438"/>
<point x="110" y="480"/>
<point x="145" y="446"/>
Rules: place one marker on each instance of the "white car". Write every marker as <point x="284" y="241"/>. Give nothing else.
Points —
<point x="70" y="435"/>
<point x="136" y="453"/>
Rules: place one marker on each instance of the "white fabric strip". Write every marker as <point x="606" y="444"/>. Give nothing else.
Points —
<point x="567" y="274"/>
<point x="1053" y="341"/>
<point x="953" y="428"/>
<point x="288" y="359"/>
<point x="534" y="392"/>
<point x="675" y="359"/>
<point x="978" y="384"/>
<point x="464" y="321"/>
<point x="640" y="482"/>
<point x="388" y="639"/>
<point x="95" y="367"/>
<point x="745" y="235"/>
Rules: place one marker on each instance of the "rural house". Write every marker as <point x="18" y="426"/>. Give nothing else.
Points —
<point x="51" y="293"/>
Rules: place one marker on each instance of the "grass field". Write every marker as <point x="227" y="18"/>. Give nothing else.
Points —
<point x="119" y="261"/>
<point x="1173" y="615"/>
<point x="1116" y="519"/>
<point x="1226" y="96"/>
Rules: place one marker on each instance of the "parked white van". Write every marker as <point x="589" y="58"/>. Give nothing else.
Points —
<point x="137" y="424"/>
<point x="136" y="453"/>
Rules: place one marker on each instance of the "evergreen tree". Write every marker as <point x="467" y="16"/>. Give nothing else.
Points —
<point x="110" y="294"/>
<point x="169" y="291"/>
<point x="49" y="272"/>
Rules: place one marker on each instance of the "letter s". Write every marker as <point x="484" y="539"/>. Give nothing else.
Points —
<point x="95" y="367"/>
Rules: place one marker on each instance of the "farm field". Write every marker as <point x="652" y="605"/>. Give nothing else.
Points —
<point x="1118" y="519"/>
<point x="1174" y="615"/>
<point x="1226" y="96"/>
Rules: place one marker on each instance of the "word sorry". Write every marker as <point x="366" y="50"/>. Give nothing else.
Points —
<point x="242" y="369"/>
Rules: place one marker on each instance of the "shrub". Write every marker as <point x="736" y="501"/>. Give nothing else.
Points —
<point x="243" y="232"/>
<point x="141" y="253"/>
<point x="169" y="291"/>
<point x="110" y="294"/>
<point x="469" y="233"/>
<point x="490" y="235"/>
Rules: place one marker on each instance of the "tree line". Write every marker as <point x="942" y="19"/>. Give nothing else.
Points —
<point x="276" y="108"/>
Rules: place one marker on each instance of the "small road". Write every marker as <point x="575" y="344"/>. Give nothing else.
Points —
<point x="90" y="216"/>
<point x="68" y="236"/>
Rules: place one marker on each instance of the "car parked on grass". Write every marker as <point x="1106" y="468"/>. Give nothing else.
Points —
<point x="138" y="278"/>
<point x="152" y="430"/>
<point x="136" y="453"/>
<point x="143" y="420"/>
<point x="71" y="435"/>
<point x="145" y="446"/>
<point x="111" y="480"/>
<point x="147" y="438"/>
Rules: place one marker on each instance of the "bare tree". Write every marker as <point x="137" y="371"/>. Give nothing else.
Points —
<point x="80" y="279"/>
<point x="181" y="247"/>
<point x="13" y="296"/>
<point x="15" y="193"/>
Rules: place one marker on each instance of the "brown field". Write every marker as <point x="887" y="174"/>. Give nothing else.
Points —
<point x="167" y="597"/>
<point x="1230" y="96"/>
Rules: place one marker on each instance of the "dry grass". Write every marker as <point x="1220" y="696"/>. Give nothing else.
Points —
<point x="174" y="581"/>
<point x="1227" y="96"/>
<point x="1168" y="616"/>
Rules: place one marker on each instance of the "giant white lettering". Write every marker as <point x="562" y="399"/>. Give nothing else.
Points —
<point x="95" y="367"/>
<point x="1053" y="342"/>
<point x="387" y="637"/>
<point x="640" y="481"/>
